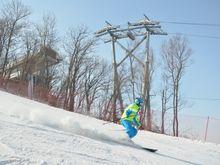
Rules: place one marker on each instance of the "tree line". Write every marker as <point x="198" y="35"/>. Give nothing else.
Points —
<point x="82" y="80"/>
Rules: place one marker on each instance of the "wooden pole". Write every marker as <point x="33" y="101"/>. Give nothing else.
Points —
<point x="115" y="78"/>
<point x="146" y="86"/>
<point x="206" y="128"/>
<point x="30" y="86"/>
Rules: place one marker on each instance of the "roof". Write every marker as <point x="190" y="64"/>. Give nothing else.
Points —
<point x="51" y="53"/>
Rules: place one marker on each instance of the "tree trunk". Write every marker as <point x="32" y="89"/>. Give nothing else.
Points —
<point x="177" y="97"/>
<point x="163" y="113"/>
<point x="174" y="112"/>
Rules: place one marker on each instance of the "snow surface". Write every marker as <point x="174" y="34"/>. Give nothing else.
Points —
<point x="35" y="133"/>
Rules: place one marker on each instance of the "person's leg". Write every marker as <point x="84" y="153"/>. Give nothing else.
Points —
<point x="131" y="131"/>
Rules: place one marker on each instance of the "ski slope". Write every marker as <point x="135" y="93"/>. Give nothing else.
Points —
<point x="35" y="133"/>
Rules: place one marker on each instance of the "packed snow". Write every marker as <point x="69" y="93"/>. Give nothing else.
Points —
<point x="35" y="133"/>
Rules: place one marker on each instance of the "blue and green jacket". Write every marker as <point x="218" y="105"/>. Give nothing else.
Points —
<point x="131" y="114"/>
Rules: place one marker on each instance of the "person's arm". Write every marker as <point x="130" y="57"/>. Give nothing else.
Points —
<point x="137" y="121"/>
<point x="128" y="112"/>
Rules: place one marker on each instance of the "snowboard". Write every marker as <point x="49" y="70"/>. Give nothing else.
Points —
<point x="149" y="149"/>
<point x="131" y="143"/>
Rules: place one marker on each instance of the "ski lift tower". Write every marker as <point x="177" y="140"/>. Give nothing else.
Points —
<point x="143" y="28"/>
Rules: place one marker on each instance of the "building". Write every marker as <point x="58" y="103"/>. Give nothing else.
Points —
<point x="33" y="65"/>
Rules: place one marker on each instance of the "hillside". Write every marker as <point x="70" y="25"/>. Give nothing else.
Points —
<point x="34" y="133"/>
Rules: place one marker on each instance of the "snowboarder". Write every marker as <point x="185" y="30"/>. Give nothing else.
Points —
<point x="130" y="117"/>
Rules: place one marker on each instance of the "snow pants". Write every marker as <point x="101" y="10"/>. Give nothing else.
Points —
<point x="130" y="130"/>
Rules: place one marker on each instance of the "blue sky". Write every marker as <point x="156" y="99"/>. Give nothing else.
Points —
<point x="202" y="78"/>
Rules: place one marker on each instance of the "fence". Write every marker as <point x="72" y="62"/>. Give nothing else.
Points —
<point x="22" y="88"/>
<point x="193" y="127"/>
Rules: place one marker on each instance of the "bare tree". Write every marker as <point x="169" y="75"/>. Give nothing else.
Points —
<point x="3" y="40"/>
<point x="48" y="39"/>
<point x="165" y="98"/>
<point x="125" y="89"/>
<point x="94" y="79"/>
<point x="176" y="54"/>
<point x="31" y="46"/>
<point x="78" y="45"/>
<point x="12" y="21"/>
<point x="104" y="103"/>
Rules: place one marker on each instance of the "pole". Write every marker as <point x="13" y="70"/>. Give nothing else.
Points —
<point x="30" y="86"/>
<point x="146" y="85"/>
<point x="206" y="129"/>
<point x="114" y="81"/>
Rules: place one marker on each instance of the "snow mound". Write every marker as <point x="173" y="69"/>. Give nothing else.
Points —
<point x="36" y="112"/>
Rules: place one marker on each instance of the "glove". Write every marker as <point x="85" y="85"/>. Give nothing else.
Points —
<point x="136" y="123"/>
<point x="141" y="128"/>
<point x="128" y="112"/>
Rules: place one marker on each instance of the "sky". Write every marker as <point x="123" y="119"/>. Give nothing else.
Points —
<point x="36" y="133"/>
<point x="200" y="84"/>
